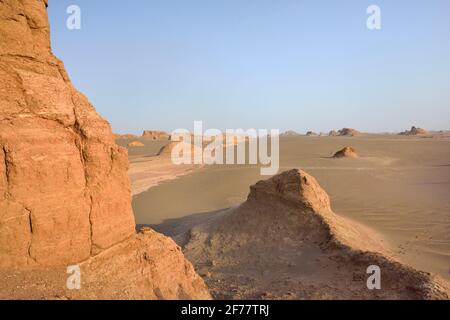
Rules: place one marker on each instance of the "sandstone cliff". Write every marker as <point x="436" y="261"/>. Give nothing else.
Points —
<point x="64" y="190"/>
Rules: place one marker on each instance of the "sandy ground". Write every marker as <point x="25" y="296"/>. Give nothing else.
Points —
<point x="399" y="186"/>
<point x="148" y="168"/>
<point x="285" y="242"/>
<point x="148" y="171"/>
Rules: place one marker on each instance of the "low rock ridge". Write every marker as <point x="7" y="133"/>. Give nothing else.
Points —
<point x="285" y="242"/>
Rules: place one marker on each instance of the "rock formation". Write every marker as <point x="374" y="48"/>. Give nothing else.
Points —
<point x="156" y="135"/>
<point x="125" y="136"/>
<point x="348" y="132"/>
<point x="64" y="189"/>
<point x="136" y="144"/>
<point x="332" y="133"/>
<point x="311" y="134"/>
<point x="290" y="133"/>
<point x="415" y="132"/>
<point x="347" y="152"/>
<point x="285" y="242"/>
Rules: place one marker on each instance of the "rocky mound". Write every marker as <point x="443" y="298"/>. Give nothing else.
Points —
<point x="347" y="152"/>
<point x="156" y="135"/>
<point x="348" y="132"/>
<point x="311" y="134"/>
<point x="415" y="132"/>
<point x="290" y="133"/>
<point x="286" y="242"/>
<point x="332" y="133"/>
<point x="136" y="144"/>
<point x="125" y="136"/>
<point x="64" y="190"/>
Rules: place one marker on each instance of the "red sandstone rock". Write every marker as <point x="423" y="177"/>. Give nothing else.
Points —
<point x="64" y="190"/>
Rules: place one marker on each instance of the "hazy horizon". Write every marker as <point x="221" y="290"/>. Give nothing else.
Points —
<point x="296" y="65"/>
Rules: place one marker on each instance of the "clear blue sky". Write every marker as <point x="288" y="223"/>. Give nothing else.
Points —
<point x="302" y="65"/>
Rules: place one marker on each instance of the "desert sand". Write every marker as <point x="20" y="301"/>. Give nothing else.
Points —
<point x="398" y="186"/>
<point x="285" y="242"/>
<point x="346" y="152"/>
<point x="152" y="165"/>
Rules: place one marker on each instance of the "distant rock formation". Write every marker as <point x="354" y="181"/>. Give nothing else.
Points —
<point x="125" y="136"/>
<point x="156" y="135"/>
<point x="347" y="152"/>
<point x="285" y="242"/>
<point x="332" y="133"/>
<point x="136" y="144"/>
<point x="311" y="134"/>
<point x="348" y="132"/>
<point x="415" y="132"/>
<point x="290" y="133"/>
<point x="64" y="189"/>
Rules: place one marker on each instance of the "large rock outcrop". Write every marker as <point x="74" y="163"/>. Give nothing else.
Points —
<point x="156" y="135"/>
<point x="348" y="132"/>
<point x="64" y="189"/>
<point x="415" y="132"/>
<point x="285" y="242"/>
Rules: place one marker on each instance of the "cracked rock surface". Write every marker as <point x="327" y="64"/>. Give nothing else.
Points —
<point x="64" y="190"/>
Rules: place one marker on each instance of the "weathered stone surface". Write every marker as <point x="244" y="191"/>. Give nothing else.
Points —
<point x="285" y="242"/>
<point x="62" y="170"/>
<point x="64" y="189"/>
<point x="146" y="266"/>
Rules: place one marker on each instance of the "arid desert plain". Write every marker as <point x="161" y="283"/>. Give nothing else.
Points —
<point x="86" y="213"/>
<point x="398" y="186"/>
